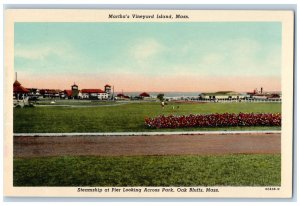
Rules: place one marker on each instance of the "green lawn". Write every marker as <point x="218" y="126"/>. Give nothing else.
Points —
<point x="226" y="170"/>
<point x="124" y="118"/>
<point x="74" y="102"/>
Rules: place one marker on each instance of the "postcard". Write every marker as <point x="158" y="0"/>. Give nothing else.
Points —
<point x="148" y="103"/>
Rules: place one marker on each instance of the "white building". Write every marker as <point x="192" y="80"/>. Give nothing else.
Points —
<point x="221" y="95"/>
<point x="93" y="94"/>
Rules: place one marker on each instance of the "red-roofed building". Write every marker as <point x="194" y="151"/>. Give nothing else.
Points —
<point x="17" y="84"/>
<point x="52" y="93"/>
<point x="144" y="94"/>
<point x="19" y="91"/>
<point x="18" y="88"/>
<point x="67" y="94"/>
<point x="89" y="91"/>
<point x="93" y="94"/>
<point x="122" y="96"/>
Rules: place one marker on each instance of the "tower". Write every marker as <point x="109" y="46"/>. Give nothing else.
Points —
<point x="107" y="89"/>
<point x="75" y="91"/>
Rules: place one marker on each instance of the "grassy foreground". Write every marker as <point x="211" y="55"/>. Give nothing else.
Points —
<point x="124" y="118"/>
<point x="75" y="102"/>
<point x="226" y="170"/>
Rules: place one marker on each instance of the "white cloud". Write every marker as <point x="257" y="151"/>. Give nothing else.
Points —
<point x="50" y="57"/>
<point x="212" y="59"/>
<point x="239" y="57"/>
<point x="42" y="51"/>
<point x="145" y="49"/>
<point x="244" y="47"/>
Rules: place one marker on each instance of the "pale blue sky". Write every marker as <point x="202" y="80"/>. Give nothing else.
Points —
<point x="220" y="49"/>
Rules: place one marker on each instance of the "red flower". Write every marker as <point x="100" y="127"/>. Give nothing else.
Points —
<point x="214" y="120"/>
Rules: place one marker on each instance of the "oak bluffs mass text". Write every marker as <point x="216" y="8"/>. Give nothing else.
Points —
<point x="140" y="190"/>
<point x="148" y="16"/>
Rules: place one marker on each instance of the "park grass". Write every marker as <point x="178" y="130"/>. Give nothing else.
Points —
<point x="224" y="170"/>
<point x="74" y="102"/>
<point x="126" y="117"/>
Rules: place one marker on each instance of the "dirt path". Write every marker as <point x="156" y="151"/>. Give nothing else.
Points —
<point x="147" y="145"/>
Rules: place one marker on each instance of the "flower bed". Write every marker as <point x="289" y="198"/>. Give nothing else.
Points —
<point x="214" y="120"/>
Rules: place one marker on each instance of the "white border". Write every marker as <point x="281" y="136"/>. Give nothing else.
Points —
<point x="288" y="145"/>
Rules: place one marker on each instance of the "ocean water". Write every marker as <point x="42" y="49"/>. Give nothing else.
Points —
<point x="167" y="94"/>
<point x="176" y="95"/>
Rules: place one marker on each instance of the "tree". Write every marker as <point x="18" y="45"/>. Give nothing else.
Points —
<point x="160" y="97"/>
<point x="200" y="97"/>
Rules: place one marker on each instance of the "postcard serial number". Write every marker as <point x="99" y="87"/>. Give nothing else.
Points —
<point x="272" y="188"/>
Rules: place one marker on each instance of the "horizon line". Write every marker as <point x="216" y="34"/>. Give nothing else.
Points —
<point x="124" y="92"/>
